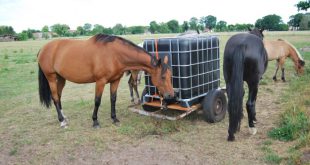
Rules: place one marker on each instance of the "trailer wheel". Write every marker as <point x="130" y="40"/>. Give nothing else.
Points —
<point x="214" y="106"/>
<point x="147" y="107"/>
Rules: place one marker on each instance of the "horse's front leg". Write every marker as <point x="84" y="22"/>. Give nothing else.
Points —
<point x="98" y="94"/>
<point x="275" y="74"/>
<point x="250" y="106"/>
<point x="113" y="92"/>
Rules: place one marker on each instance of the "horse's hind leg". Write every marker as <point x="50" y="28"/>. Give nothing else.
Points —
<point x="98" y="94"/>
<point x="52" y="80"/>
<point x="60" y="86"/>
<point x="113" y="93"/>
<point x="281" y="64"/>
<point x="250" y="106"/>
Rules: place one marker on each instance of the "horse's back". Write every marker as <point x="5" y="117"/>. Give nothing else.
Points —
<point x="71" y="59"/>
<point x="276" y="49"/>
<point x="253" y="52"/>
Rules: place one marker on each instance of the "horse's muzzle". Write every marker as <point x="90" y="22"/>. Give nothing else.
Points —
<point x="167" y="96"/>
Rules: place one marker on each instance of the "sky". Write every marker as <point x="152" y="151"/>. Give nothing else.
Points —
<point x="34" y="14"/>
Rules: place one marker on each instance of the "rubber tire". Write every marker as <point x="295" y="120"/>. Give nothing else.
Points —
<point x="214" y="106"/>
<point x="147" y="107"/>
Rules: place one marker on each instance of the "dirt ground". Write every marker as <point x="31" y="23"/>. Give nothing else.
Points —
<point x="214" y="149"/>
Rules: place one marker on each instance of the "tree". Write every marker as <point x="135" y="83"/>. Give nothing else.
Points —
<point x="136" y="29"/>
<point x="271" y="22"/>
<point x="87" y="28"/>
<point x="221" y="26"/>
<point x="80" y="30"/>
<point x="185" y="26"/>
<point x="119" y="29"/>
<point x="60" y="29"/>
<point x="97" y="29"/>
<point x="173" y="26"/>
<point x="193" y="23"/>
<point x="305" y="22"/>
<point x="209" y="21"/>
<point x="6" y="30"/>
<point x="163" y="28"/>
<point x="295" y="20"/>
<point x="153" y="27"/>
<point x="45" y="29"/>
<point x="303" y="5"/>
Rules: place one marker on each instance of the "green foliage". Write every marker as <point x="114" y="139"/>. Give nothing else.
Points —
<point x="87" y="28"/>
<point x="163" y="28"/>
<point x="185" y="26"/>
<point x="61" y="29"/>
<point x="153" y="27"/>
<point x="119" y="29"/>
<point x="305" y="22"/>
<point x="45" y="29"/>
<point x="173" y="26"/>
<point x="221" y="26"/>
<point x="303" y="5"/>
<point x="22" y="36"/>
<point x="6" y="30"/>
<point x="271" y="22"/>
<point x="295" y="20"/>
<point x="269" y="155"/>
<point x="208" y="21"/>
<point x="294" y="123"/>
<point x="193" y="23"/>
<point x="136" y="29"/>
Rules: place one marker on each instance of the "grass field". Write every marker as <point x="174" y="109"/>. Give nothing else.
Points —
<point x="30" y="134"/>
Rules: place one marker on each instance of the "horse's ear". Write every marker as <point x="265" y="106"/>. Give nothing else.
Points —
<point x="154" y="61"/>
<point x="165" y="60"/>
<point x="159" y="61"/>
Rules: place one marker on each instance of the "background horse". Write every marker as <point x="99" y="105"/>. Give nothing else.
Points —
<point x="133" y="81"/>
<point x="102" y="59"/>
<point x="245" y="59"/>
<point x="279" y="50"/>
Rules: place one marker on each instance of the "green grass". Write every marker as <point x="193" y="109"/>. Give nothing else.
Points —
<point x="27" y="128"/>
<point x="294" y="123"/>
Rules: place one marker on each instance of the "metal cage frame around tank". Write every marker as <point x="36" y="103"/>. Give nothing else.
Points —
<point x="208" y="77"/>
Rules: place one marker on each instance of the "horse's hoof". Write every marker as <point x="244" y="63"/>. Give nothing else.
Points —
<point x="231" y="138"/>
<point x="274" y="79"/>
<point x="115" y="120"/>
<point x="137" y="102"/>
<point x="64" y="124"/>
<point x="96" y="124"/>
<point x="252" y="130"/>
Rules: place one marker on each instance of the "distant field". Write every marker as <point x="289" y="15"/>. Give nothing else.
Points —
<point x="30" y="134"/>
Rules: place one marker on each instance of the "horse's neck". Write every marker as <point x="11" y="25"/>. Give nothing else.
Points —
<point x="294" y="55"/>
<point x="139" y="61"/>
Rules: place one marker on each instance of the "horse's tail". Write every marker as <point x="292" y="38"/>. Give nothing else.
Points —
<point x="44" y="89"/>
<point x="236" y="91"/>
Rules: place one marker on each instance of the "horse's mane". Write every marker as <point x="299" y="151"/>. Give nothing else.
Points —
<point x="104" y="38"/>
<point x="293" y="47"/>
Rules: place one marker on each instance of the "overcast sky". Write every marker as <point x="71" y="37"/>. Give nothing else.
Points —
<point x="34" y="14"/>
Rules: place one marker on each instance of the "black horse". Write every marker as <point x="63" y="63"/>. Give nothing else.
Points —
<point x="245" y="59"/>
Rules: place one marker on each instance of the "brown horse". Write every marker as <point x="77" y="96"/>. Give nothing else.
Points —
<point x="101" y="59"/>
<point x="279" y="50"/>
<point x="133" y="81"/>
